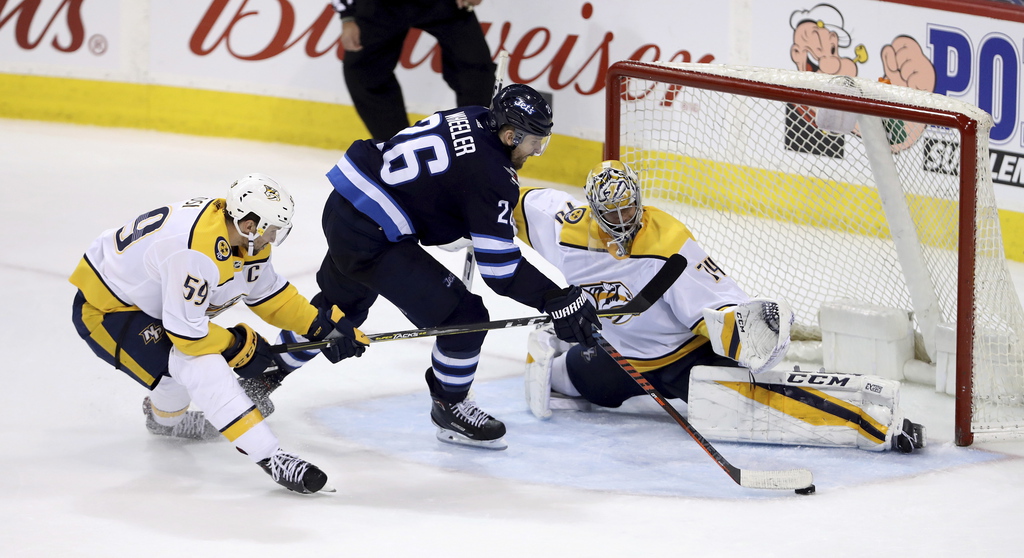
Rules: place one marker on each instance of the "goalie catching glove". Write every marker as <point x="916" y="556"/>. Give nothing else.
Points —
<point x="332" y="325"/>
<point x="755" y="334"/>
<point x="250" y="355"/>
<point x="573" y="315"/>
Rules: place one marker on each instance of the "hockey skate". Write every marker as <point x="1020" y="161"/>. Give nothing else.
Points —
<point x="911" y="437"/>
<point x="543" y="346"/>
<point x="463" y="423"/>
<point x="193" y="426"/>
<point x="466" y="424"/>
<point x="295" y="473"/>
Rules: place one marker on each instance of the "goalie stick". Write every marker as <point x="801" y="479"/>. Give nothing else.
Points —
<point x="652" y="291"/>
<point x="794" y="479"/>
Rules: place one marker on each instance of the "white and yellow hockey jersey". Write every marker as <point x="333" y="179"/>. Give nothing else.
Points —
<point x="175" y="263"/>
<point x="561" y="230"/>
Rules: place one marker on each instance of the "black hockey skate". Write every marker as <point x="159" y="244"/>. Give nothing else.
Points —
<point x="193" y="426"/>
<point x="910" y="438"/>
<point x="463" y="423"/>
<point x="466" y="424"/>
<point x="294" y="473"/>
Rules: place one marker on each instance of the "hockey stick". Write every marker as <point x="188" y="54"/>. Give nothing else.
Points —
<point x="793" y="479"/>
<point x="499" y="81"/>
<point x="467" y="269"/>
<point x="652" y="291"/>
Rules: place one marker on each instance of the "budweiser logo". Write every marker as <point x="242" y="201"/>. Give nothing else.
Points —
<point x="255" y="30"/>
<point x="27" y="19"/>
<point x="538" y="47"/>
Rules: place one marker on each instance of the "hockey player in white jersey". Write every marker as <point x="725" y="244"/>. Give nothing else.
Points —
<point x="704" y="341"/>
<point x="149" y="289"/>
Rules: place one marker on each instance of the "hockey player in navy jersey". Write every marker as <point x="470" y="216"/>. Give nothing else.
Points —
<point x="705" y="341"/>
<point x="448" y="177"/>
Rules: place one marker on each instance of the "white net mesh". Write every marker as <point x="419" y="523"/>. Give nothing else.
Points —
<point x="795" y="212"/>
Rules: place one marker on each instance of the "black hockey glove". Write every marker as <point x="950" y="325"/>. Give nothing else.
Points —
<point x="250" y="355"/>
<point x="573" y="315"/>
<point x="331" y="324"/>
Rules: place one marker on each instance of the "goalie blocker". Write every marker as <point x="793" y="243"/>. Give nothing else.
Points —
<point x="801" y="408"/>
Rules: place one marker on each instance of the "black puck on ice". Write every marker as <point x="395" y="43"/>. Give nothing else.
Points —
<point x="805" y="491"/>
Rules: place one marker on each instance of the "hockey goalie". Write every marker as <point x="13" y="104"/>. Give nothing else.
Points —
<point x="705" y="341"/>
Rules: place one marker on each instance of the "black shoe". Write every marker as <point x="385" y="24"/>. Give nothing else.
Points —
<point x="910" y="438"/>
<point x="295" y="473"/>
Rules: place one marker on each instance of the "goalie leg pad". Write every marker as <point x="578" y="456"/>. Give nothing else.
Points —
<point x="545" y="361"/>
<point x="537" y="380"/>
<point x="755" y="334"/>
<point x="795" y="407"/>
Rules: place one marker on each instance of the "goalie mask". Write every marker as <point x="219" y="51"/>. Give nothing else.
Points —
<point x="613" y="192"/>
<point x="523" y="108"/>
<point x="258" y="197"/>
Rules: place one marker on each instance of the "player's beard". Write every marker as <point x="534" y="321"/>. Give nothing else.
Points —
<point x="518" y="159"/>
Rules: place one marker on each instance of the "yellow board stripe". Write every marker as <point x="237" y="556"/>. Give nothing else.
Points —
<point x="242" y="424"/>
<point x="336" y="126"/>
<point x="730" y="188"/>
<point x="811" y="406"/>
<point x="236" y="115"/>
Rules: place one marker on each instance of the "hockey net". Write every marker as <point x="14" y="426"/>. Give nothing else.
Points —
<point x="894" y="206"/>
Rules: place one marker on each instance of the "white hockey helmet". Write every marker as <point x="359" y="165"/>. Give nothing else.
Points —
<point x="258" y="197"/>
<point x="613" y="192"/>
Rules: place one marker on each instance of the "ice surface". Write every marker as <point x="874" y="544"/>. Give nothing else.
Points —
<point x="80" y="475"/>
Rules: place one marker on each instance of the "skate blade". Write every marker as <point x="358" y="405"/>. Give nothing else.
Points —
<point x="452" y="437"/>
<point x="327" y="488"/>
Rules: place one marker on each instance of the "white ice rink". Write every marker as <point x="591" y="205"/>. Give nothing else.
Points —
<point x="81" y="476"/>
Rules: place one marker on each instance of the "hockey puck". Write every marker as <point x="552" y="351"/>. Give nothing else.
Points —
<point x="805" y="491"/>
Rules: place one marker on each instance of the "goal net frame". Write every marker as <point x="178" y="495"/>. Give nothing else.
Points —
<point x="676" y="80"/>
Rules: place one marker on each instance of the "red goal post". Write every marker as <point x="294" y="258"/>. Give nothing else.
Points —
<point x="892" y="205"/>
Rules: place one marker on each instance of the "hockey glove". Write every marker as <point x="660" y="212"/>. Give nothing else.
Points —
<point x="250" y="355"/>
<point x="573" y="315"/>
<point x="331" y="324"/>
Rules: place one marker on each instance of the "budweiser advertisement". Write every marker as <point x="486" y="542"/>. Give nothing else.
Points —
<point x="291" y="49"/>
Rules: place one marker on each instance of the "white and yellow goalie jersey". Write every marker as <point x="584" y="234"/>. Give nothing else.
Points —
<point x="561" y="230"/>
<point x="175" y="263"/>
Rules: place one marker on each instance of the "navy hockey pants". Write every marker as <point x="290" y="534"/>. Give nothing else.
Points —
<point x="132" y="342"/>
<point x="601" y="380"/>
<point x="361" y="263"/>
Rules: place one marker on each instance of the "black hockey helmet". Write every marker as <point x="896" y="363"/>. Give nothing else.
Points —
<point x="523" y="108"/>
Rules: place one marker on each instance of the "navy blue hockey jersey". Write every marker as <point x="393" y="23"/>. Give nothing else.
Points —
<point x="444" y="178"/>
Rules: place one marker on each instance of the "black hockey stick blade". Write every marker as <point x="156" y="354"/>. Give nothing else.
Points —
<point x="674" y="266"/>
<point x="652" y="291"/>
<point x="777" y="480"/>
